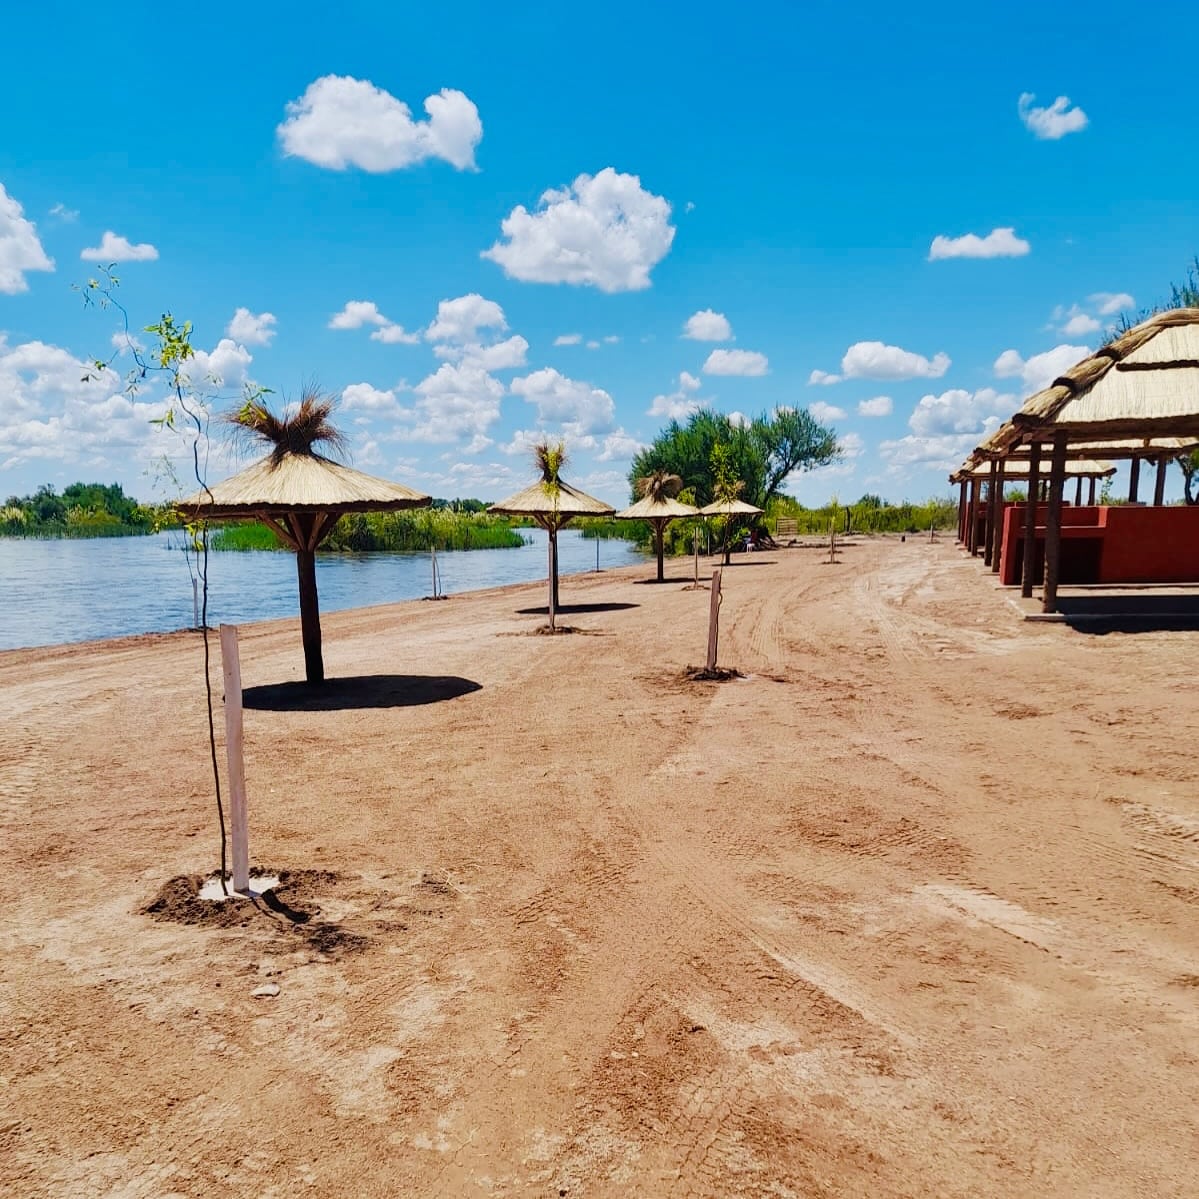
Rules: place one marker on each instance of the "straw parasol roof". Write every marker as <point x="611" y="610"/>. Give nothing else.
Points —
<point x="660" y="508"/>
<point x="1144" y="384"/>
<point x="729" y="508"/>
<point x="999" y="445"/>
<point x="542" y="500"/>
<point x="1019" y="468"/>
<point x="299" y="483"/>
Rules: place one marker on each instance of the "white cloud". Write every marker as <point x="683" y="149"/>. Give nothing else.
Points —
<point x="738" y="420"/>
<point x="707" y="325"/>
<point x="822" y="379"/>
<point x="824" y="412"/>
<point x="603" y="231"/>
<point x="879" y="406"/>
<point x="593" y="345"/>
<point x="577" y="406"/>
<point x="250" y="329"/>
<point x="1080" y="324"/>
<point x="501" y="355"/>
<point x="1054" y="122"/>
<point x="1039" y="371"/>
<point x="226" y="365"/>
<point x="679" y="404"/>
<point x="358" y="313"/>
<point x="736" y="362"/>
<point x="362" y="397"/>
<point x="688" y="382"/>
<point x="460" y="401"/>
<point x="946" y="452"/>
<point x="960" y="411"/>
<point x="875" y="360"/>
<point x="999" y="243"/>
<point x="568" y="339"/>
<point x="340" y="121"/>
<point x="1109" y="303"/>
<point x="61" y="212"/>
<point x="612" y="339"/>
<point x="114" y="248"/>
<point x="20" y="248"/>
<point x="619" y="445"/>
<point x="460" y="320"/>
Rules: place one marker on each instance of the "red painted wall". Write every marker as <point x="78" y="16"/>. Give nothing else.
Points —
<point x="1109" y="545"/>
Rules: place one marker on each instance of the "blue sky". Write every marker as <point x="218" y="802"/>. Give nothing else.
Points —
<point x="790" y="185"/>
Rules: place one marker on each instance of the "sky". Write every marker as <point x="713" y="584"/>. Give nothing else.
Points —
<point x="482" y="225"/>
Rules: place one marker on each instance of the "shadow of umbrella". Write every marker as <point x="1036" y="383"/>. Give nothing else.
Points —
<point x="358" y="691"/>
<point x="576" y="608"/>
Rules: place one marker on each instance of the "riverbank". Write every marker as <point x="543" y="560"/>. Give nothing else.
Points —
<point x="906" y="911"/>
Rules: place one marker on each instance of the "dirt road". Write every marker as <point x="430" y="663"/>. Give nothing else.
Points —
<point x="908" y="911"/>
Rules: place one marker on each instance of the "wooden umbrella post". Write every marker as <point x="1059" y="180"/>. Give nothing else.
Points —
<point x="238" y="821"/>
<point x="1030" y="519"/>
<point x="714" y="621"/>
<point x="552" y="540"/>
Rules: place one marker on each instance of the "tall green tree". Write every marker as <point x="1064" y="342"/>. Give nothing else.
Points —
<point x="762" y="454"/>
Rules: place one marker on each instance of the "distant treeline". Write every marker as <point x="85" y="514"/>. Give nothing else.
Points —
<point x="82" y="510"/>
<point x="444" y="527"/>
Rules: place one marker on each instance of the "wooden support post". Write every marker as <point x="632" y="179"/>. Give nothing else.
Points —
<point x="962" y="512"/>
<point x="1053" y="522"/>
<point x="552" y="567"/>
<point x="997" y="538"/>
<point x="1078" y="492"/>
<point x="1030" y="519"/>
<point x="972" y="531"/>
<point x="238" y="824"/>
<point x="1159" y="487"/>
<point x="1091" y="493"/>
<point x="714" y="620"/>
<point x="992" y="498"/>
<point x="1134" y="479"/>
<point x="659" y="526"/>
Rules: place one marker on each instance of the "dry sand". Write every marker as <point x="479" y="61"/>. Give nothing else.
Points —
<point x="909" y="911"/>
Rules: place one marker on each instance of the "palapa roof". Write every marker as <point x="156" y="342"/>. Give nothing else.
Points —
<point x="1145" y="384"/>
<point x="999" y="444"/>
<point x="729" y="508"/>
<point x="662" y="508"/>
<point x="300" y="483"/>
<point x="541" y="500"/>
<point x="1019" y="468"/>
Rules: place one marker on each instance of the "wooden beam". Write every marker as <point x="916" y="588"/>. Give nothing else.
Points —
<point x="997" y="520"/>
<point x="238" y="822"/>
<point x="1030" y="520"/>
<point x="1078" y="492"/>
<point x="972" y="525"/>
<point x="1159" y="487"/>
<point x="1091" y="493"/>
<point x="1134" y="479"/>
<point x="962" y="486"/>
<point x="989" y="531"/>
<point x="1053" y="522"/>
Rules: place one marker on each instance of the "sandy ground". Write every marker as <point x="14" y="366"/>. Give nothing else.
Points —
<point x="909" y="911"/>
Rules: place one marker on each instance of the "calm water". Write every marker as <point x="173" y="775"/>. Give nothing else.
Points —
<point x="54" y="591"/>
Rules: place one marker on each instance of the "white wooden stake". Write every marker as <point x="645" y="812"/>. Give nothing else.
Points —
<point x="714" y="619"/>
<point x="231" y="668"/>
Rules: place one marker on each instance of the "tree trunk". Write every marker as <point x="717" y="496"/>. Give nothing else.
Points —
<point x="310" y="616"/>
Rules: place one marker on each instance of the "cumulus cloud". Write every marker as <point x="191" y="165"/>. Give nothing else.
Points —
<point x="688" y="382"/>
<point x="341" y="121"/>
<point x="875" y="360"/>
<point x="252" y="330"/>
<point x="501" y="355"/>
<point x="62" y="213"/>
<point x="602" y="231"/>
<point x="358" y="313"/>
<point x="959" y="411"/>
<point x="114" y="248"/>
<point x="577" y="406"/>
<point x="20" y="248"/>
<point x="825" y="412"/>
<point x="226" y="365"/>
<point x="1109" y="303"/>
<point x="822" y="379"/>
<point x="879" y="406"/>
<point x="362" y="397"/>
<point x="1080" y="324"/>
<point x="568" y="339"/>
<point x="679" y="404"/>
<point x="1039" y="371"/>
<point x="999" y="243"/>
<point x="707" y="325"/>
<point x="946" y="452"/>
<point x="460" y="319"/>
<point x="619" y="446"/>
<point x="736" y="362"/>
<point x="1053" y="122"/>
<point x="460" y="401"/>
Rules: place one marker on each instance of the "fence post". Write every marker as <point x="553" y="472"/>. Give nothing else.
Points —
<point x="231" y="669"/>
<point x="714" y="620"/>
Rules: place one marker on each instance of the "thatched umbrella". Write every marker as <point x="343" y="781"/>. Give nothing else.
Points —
<point x="300" y="494"/>
<point x="551" y="503"/>
<point x="659" y="507"/>
<point x="729" y="508"/>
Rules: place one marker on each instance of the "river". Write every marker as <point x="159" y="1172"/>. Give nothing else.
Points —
<point x="81" y="590"/>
